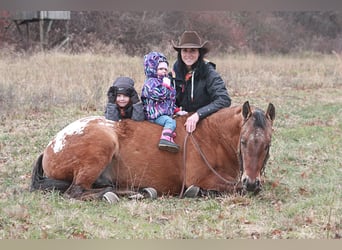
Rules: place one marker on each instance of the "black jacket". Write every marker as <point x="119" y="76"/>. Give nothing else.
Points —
<point x="134" y="112"/>
<point x="209" y="91"/>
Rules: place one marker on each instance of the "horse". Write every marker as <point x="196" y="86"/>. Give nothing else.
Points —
<point x="92" y="156"/>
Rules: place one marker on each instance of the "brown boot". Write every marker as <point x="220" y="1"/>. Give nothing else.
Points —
<point x="166" y="141"/>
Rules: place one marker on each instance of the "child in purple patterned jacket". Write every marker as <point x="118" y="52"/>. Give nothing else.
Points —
<point x="159" y="97"/>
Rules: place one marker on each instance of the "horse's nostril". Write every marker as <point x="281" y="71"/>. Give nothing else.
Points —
<point x="245" y="181"/>
<point x="257" y="183"/>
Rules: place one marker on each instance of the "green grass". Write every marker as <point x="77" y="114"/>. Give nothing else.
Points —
<point x="301" y="198"/>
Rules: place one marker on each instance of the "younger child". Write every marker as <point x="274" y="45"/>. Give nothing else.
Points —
<point x="123" y="101"/>
<point x="158" y="97"/>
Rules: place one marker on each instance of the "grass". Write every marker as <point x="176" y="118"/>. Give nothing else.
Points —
<point x="43" y="92"/>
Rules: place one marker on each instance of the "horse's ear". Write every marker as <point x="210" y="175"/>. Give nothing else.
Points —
<point x="270" y="113"/>
<point x="246" y="110"/>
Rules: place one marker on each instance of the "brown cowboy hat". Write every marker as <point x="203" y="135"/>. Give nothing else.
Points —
<point x="191" y="40"/>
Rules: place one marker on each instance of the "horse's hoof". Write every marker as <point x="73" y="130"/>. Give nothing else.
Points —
<point x="111" y="197"/>
<point x="136" y="196"/>
<point x="150" y="193"/>
<point x="191" y="192"/>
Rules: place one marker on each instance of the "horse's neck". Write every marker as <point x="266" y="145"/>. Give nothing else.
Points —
<point x="223" y="127"/>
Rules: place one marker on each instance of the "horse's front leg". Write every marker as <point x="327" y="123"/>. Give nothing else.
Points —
<point x="212" y="185"/>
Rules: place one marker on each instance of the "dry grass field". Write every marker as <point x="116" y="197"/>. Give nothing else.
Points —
<point x="41" y="93"/>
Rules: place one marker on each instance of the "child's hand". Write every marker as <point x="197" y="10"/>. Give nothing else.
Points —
<point x="111" y="94"/>
<point x="166" y="82"/>
<point x="181" y="112"/>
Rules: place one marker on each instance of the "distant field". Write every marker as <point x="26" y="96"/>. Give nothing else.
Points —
<point x="301" y="199"/>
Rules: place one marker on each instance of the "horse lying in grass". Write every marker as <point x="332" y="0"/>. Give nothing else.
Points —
<point x="92" y="156"/>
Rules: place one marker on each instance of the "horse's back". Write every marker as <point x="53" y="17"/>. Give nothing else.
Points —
<point x="141" y="163"/>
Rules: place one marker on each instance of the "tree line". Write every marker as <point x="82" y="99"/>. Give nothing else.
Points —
<point x="228" y="31"/>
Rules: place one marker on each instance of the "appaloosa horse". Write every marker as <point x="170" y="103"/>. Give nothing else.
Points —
<point x="91" y="156"/>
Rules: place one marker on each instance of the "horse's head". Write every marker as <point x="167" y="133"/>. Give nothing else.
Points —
<point x="254" y="145"/>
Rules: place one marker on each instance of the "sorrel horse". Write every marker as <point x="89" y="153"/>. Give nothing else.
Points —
<point x="91" y="156"/>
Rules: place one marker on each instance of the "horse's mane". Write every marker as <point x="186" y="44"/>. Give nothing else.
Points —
<point x="259" y="119"/>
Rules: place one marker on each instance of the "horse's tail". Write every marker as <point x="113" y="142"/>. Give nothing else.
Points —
<point x="40" y="182"/>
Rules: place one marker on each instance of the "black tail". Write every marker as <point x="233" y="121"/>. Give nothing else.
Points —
<point x="40" y="182"/>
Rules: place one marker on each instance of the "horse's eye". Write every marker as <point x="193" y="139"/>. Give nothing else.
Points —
<point x="243" y="142"/>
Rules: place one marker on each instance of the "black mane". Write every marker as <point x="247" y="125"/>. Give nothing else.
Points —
<point x="259" y="119"/>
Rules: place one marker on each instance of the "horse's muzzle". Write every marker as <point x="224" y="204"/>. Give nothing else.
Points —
<point x="251" y="186"/>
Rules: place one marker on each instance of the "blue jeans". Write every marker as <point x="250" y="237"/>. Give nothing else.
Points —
<point x="166" y="121"/>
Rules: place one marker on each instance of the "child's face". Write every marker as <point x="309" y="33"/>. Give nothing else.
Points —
<point x="122" y="100"/>
<point x="162" y="69"/>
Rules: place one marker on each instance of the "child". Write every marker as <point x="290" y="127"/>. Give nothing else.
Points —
<point x="123" y="101"/>
<point x="158" y="97"/>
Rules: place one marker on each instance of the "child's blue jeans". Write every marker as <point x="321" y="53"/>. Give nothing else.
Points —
<point x="165" y="121"/>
